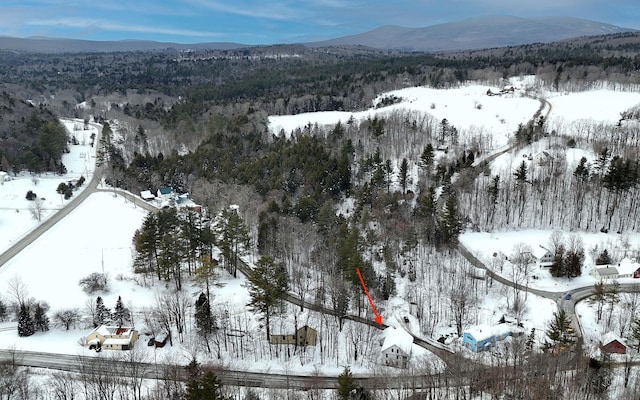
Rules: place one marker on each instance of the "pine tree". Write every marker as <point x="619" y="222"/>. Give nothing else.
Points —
<point x="25" y="322"/>
<point x="521" y="173"/>
<point x="103" y="313"/>
<point x="346" y="384"/>
<point x="404" y="169"/>
<point x="560" y="332"/>
<point x="558" y="266"/>
<point x="40" y="319"/>
<point x="531" y="340"/>
<point x="233" y="239"/>
<point x="268" y="283"/>
<point x="603" y="258"/>
<point x="204" y="318"/>
<point x="635" y="334"/>
<point x="3" y="310"/>
<point x="451" y="221"/>
<point x="426" y="159"/>
<point x="120" y="313"/>
<point x="205" y="387"/>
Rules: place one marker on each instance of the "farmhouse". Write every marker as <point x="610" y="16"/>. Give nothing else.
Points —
<point x="538" y="255"/>
<point x="112" y="337"/>
<point x="396" y="348"/>
<point x="543" y="257"/>
<point x="304" y="336"/>
<point x="483" y="337"/>
<point x="611" y="343"/>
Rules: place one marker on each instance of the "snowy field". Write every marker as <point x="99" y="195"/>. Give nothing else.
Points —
<point x="15" y="217"/>
<point x="97" y="235"/>
<point x="468" y="108"/>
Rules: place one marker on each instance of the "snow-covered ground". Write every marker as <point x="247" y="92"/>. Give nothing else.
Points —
<point x="93" y="240"/>
<point x="15" y="217"/>
<point x="468" y="108"/>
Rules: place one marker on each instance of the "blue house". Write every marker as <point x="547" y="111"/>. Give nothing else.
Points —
<point x="483" y="337"/>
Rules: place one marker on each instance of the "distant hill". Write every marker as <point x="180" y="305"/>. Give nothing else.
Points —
<point x="52" y="45"/>
<point x="470" y="34"/>
<point x="476" y="33"/>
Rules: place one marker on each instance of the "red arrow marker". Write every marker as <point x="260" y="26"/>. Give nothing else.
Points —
<point x="366" y="292"/>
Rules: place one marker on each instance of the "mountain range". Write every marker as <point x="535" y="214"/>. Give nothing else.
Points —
<point x="475" y="33"/>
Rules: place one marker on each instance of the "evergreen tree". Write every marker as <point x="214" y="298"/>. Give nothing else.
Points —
<point x="521" y="173"/>
<point x="451" y="221"/>
<point x="204" y="318"/>
<point x="603" y="258"/>
<point x="346" y="385"/>
<point x="404" y="169"/>
<point x="268" y="283"/>
<point x="558" y="266"/>
<point x="531" y="340"/>
<point x="205" y="387"/>
<point x="560" y="332"/>
<point x="635" y="334"/>
<point x="121" y="314"/>
<point x="102" y="313"/>
<point x="582" y="170"/>
<point x="25" y="322"/>
<point x="3" y="310"/>
<point x="40" y="319"/>
<point x="233" y="238"/>
<point x="426" y="158"/>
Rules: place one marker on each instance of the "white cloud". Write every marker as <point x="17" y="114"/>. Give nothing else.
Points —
<point x="110" y="26"/>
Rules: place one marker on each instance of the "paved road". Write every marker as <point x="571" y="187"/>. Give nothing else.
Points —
<point x="434" y="346"/>
<point x="106" y="364"/>
<point x="75" y="201"/>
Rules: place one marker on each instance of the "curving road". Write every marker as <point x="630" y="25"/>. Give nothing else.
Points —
<point x="90" y="188"/>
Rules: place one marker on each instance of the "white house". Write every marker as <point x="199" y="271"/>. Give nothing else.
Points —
<point x="539" y="255"/>
<point x="543" y="256"/>
<point x="396" y="348"/>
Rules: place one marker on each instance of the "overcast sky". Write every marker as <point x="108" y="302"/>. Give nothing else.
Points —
<point x="273" y="21"/>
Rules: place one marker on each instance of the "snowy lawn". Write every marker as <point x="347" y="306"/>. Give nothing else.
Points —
<point x="15" y="216"/>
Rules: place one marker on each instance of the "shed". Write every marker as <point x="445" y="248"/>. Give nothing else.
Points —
<point x="147" y="195"/>
<point x="612" y="343"/>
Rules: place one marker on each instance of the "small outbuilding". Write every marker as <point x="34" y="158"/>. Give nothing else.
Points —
<point x="612" y="343"/>
<point x="147" y="195"/>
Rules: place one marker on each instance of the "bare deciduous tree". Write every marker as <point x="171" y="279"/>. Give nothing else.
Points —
<point x="37" y="209"/>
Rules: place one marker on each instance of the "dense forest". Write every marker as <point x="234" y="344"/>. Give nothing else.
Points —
<point x="322" y="202"/>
